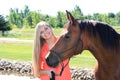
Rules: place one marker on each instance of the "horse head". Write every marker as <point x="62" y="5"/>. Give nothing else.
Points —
<point x="69" y="43"/>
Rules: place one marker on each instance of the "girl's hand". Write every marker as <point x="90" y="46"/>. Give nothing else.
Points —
<point x="49" y="74"/>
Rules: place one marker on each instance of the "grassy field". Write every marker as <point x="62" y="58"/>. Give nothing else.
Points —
<point x="27" y="33"/>
<point x="16" y="51"/>
<point x="22" y="51"/>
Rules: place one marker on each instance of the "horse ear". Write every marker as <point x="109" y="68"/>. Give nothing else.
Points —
<point x="70" y="17"/>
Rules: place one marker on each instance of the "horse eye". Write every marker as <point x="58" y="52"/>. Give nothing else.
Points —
<point x="67" y="36"/>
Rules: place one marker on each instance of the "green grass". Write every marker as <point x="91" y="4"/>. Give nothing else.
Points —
<point x="16" y="51"/>
<point x="84" y="60"/>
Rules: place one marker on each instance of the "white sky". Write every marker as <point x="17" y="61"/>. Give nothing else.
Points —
<point x="51" y="7"/>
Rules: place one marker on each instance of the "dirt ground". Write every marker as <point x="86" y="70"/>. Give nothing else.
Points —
<point x="10" y="40"/>
<point x="14" y="77"/>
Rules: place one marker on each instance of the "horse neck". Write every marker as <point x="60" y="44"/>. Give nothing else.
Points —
<point x="95" y="46"/>
<point x="92" y="41"/>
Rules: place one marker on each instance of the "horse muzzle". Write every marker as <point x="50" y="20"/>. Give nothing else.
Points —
<point x="52" y="60"/>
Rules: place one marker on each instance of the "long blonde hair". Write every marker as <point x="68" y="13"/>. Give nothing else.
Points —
<point x="37" y="46"/>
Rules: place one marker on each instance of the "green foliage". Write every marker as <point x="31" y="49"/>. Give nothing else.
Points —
<point x="28" y="19"/>
<point x="118" y="18"/>
<point x="77" y="13"/>
<point x="61" y="19"/>
<point x="111" y="15"/>
<point x="52" y="21"/>
<point x="15" y="18"/>
<point x="4" y="25"/>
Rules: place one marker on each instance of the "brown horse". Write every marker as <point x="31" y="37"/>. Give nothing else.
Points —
<point x="99" y="38"/>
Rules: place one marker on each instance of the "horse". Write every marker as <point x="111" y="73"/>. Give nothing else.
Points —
<point x="99" y="38"/>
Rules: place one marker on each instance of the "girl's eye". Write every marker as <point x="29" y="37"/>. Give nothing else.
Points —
<point x="45" y="28"/>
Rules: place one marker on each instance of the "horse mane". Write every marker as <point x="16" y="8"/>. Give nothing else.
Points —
<point x="109" y="37"/>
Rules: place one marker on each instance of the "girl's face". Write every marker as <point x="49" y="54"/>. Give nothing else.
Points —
<point x="46" y="32"/>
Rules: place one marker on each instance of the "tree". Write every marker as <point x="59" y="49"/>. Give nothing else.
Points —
<point x="97" y="16"/>
<point x="118" y="18"/>
<point x="59" y="17"/>
<point x="4" y="25"/>
<point x="52" y="21"/>
<point x="15" y="18"/>
<point x="26" y="11"/>
<point x="89" y="17"/>
<point x="78" y="13"/>
<point x="111" y="15"/>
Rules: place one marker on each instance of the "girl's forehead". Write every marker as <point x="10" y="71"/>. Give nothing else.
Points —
<point x="43" y="28"/>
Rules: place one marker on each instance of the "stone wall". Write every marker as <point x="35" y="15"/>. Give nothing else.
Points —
<point x="24" y="69"/>
<point x="82" y="74"/>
